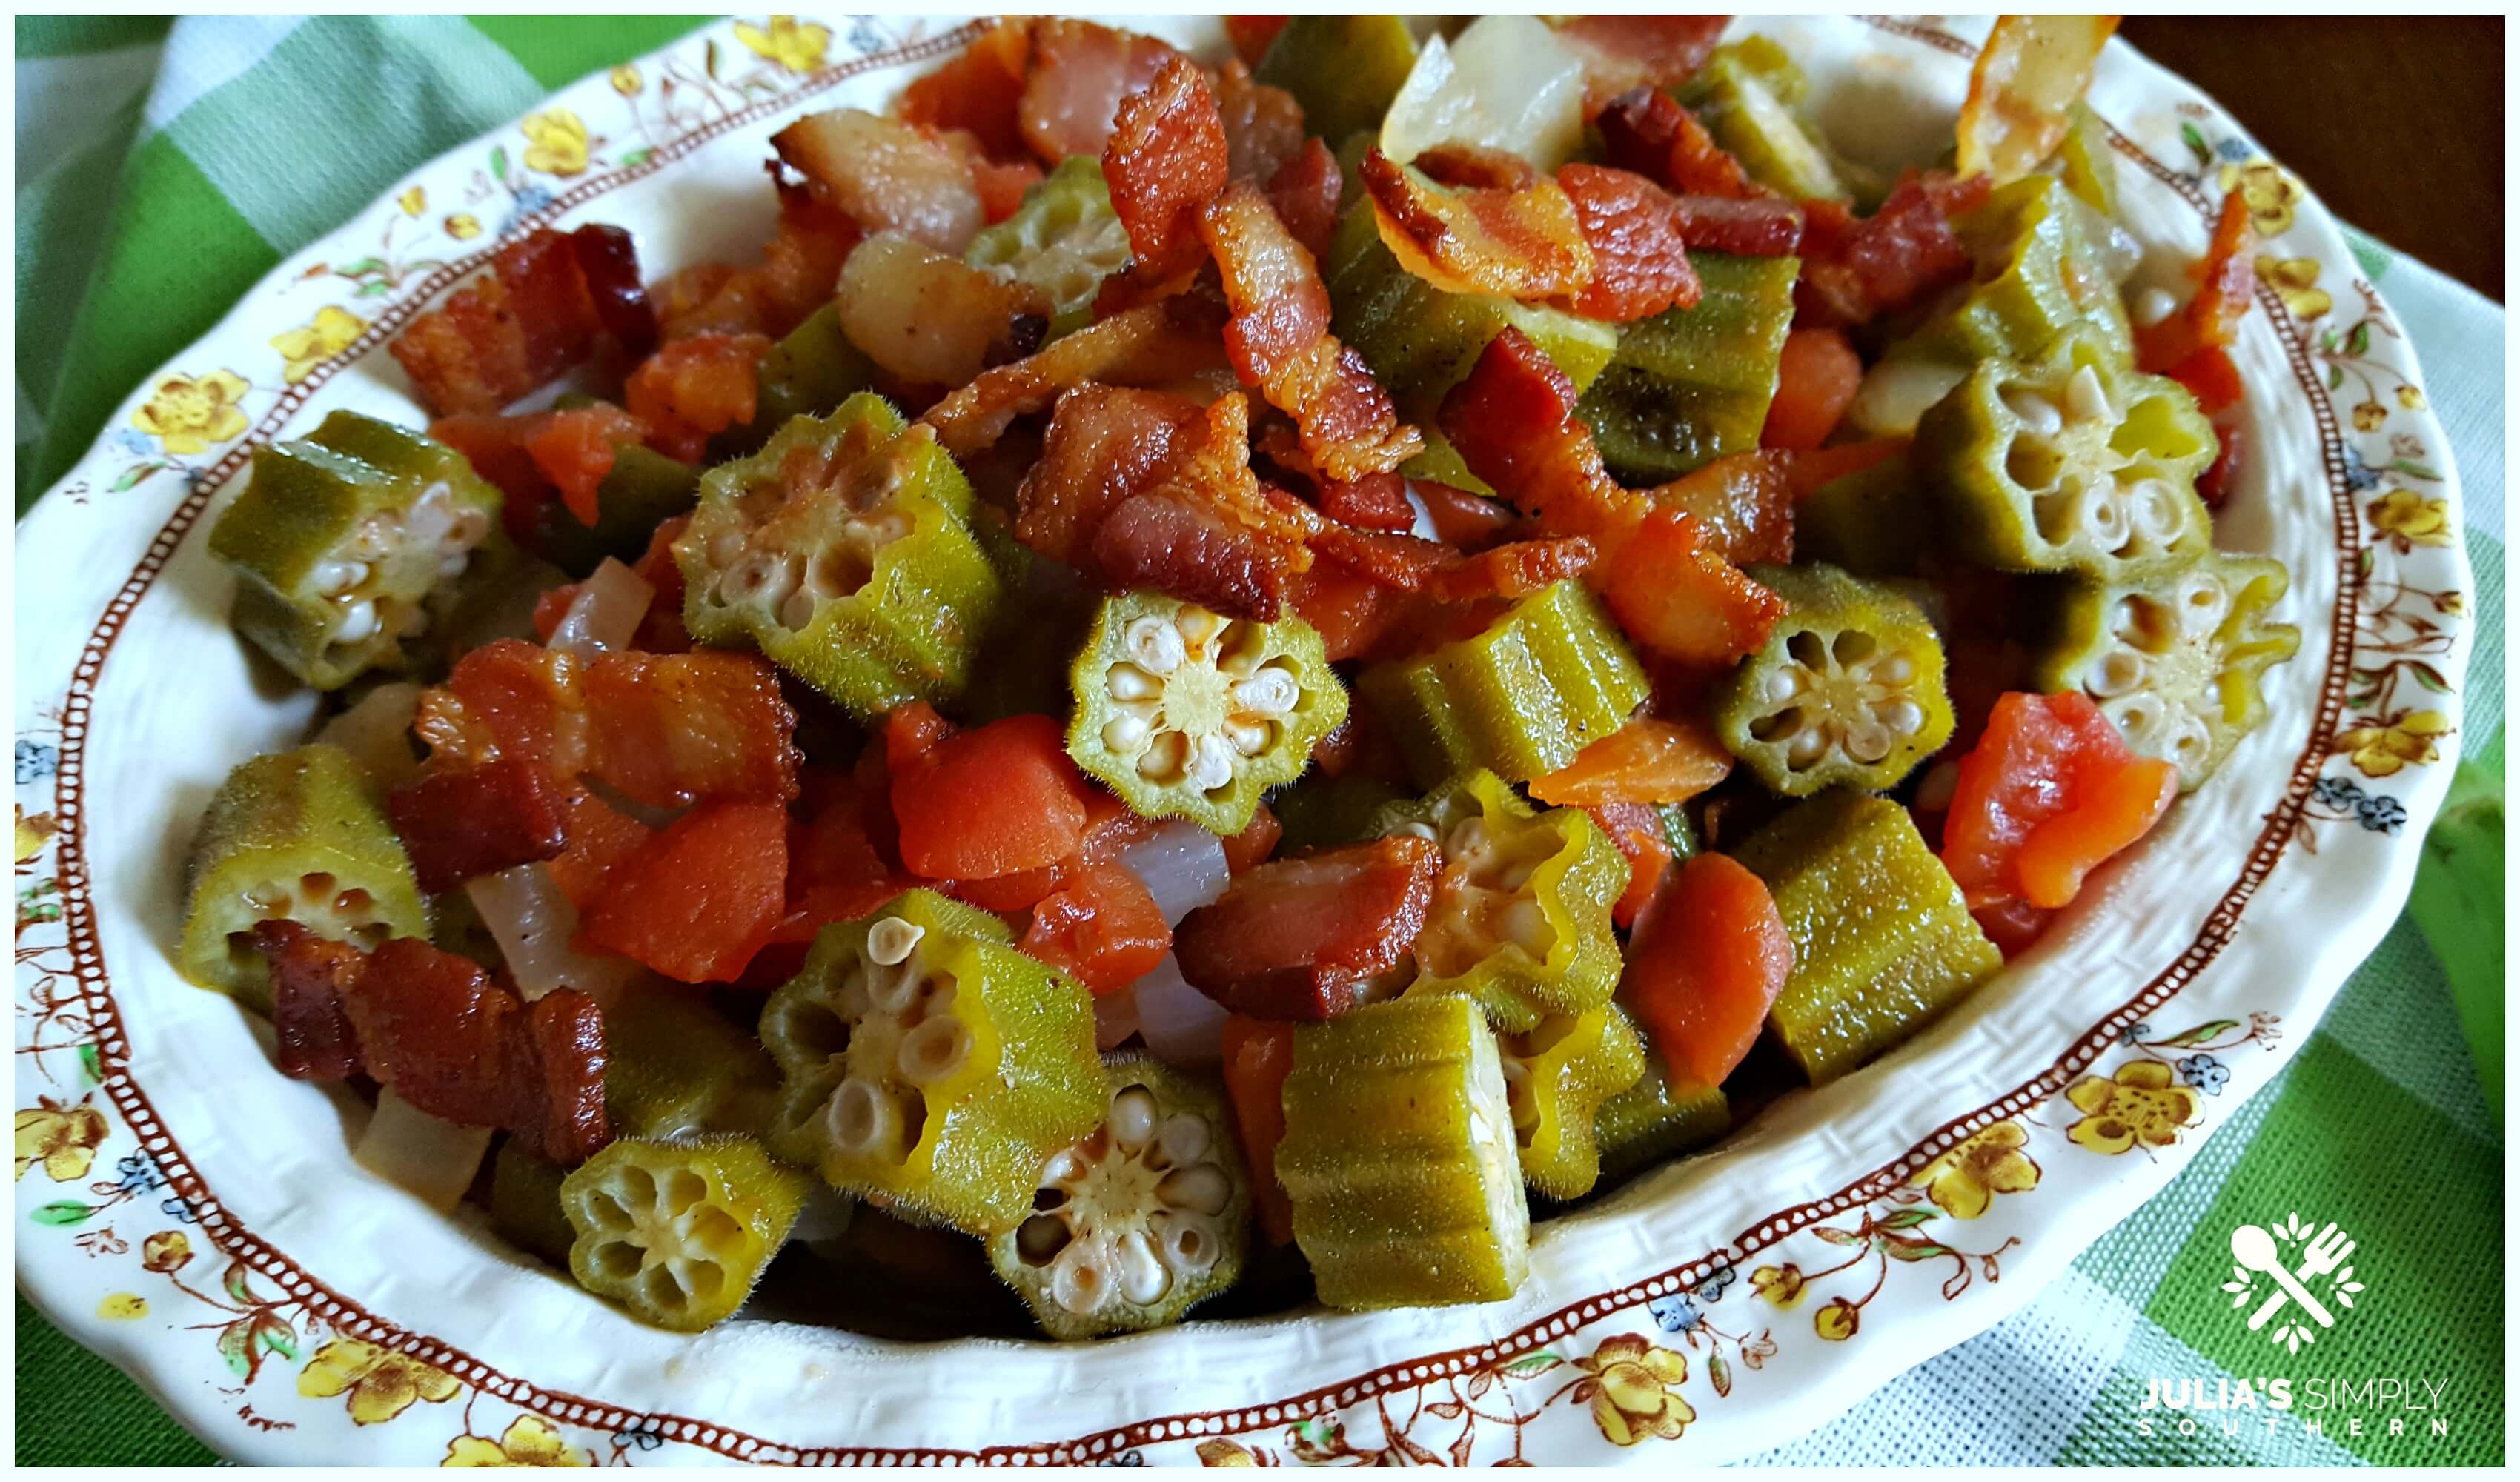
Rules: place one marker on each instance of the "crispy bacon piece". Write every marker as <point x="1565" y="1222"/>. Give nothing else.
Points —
<point x="1625" y="52"/>
<point x="459" y="824"/>
<point x="1263" y="125"/>
<point x="2191" y="346"/>
<point x="541" y="455"/>
<point x="438" y="1029"/>
<point x="532" y="317"/>
<point x="794" y="277"/>
<point x="1521" y="239"/>
<point x="1512" y="419"/>
<point x="1746" y="504"/>
<point x="887" y="175"/>
<point x="1104" y="445"/>
<point x="1080" y="73"/>
<point x="1763" y="228"/>
<point x="694" y="389"/>
<point x="1305" y="193"/>
<point x="1675" y="593"/>
<point x="609" y="264"/>
<point x="1279" y="340"/>
<point x="1893" y="259"/>
<point x="1153" y="344"/>
<point x="1166" y="158"/>
<point x="1647" y="131"/>
<point x="1512" y="570"/>
<point x="1640" y="266"/>
<point x="1375" y="502"/>
<point x="664" y="729"/>
<point x="1209" y="532"/>
<point x="1299" y="939"/>
<point x="1252" y="34"/>
<point x="976" y="91"/>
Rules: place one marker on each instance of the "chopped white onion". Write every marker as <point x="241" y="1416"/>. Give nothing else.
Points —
<point x="377" y="733"/>
<point x="1115" y="1017"/>
<point x="1422" y="524"/>
<point x="607" y="612"/>
<point x="823" y="1216"/>
<point x="1506" y="82"/>
<point x="1183" y="866"/>
<point x="1895" y="393"/>
<point x="1181" y="1024"/>
<point x="428" y="1157"/>
<point x="533" y="921"/>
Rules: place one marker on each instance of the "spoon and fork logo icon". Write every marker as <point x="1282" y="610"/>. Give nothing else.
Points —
<point x="2257" y="1249"/>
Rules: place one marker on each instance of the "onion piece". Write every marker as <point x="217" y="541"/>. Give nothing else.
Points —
<point x="377" y="733"/>
<point x="1183" y="867"/>
<point x="1422" y="522"/>
<point x="1115" y="1017"/>
<point x="1182" y="1025"/>
<point x="1895" y="393"/>
<point x="533" y="923"/>
<point x="1508" y="83"/>
<point x="428" y="1157"/>
<point x="607" y="612"/>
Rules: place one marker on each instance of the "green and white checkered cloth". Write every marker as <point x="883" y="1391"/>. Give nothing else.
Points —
<point x="164" y="166"/>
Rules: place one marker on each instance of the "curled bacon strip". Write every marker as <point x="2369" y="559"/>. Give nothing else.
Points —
<point x="1521" y="239"/>
<point x="1263" y="125"/>
<point x="1746" y="504"/>
<point x="1305" y="193"/>
<point x="887" y="175"/>
<point x="1106" y="445"/>
<point x="1299" y="939"/>
<point x="976" y="91"/>
<point x="1153" y="344"/>
<point x="1893" y="259"/>
<point x="1639" y="265"/>
<point x="1625" y="52"/>
<point x="1166" y="159"/>
<point x="1278" y="339"/>
<point x="1512" y="570"/>
<point x="459" y="824"/>
<point x="1080" y="73"/>
<point x="1767" y="228"/>
<point x="1647" y="131"/>
<point x="664" y="729"/>
<point x="503" y="335"/>
<point x="1209" y="532"/>
<point x="440" y="1031"/>
<point x="694" y="389"/>
<point x="794" y="277"/>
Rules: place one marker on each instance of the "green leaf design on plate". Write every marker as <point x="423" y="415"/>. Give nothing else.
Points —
<point x="1836" y="1236"/>
<point x="2194" y="137"/>
<point x="131" y="477"/>
<point x="2414" y="470"/>
<point x="1905" y="1219"/>
<point x="235" y="1281"/>
<point x="2429" y="677"/>
<point x="1901" y="1250"/>
<point x="1720" y="1374"/>
<point x="360" y="268"/>
<point x="499" y="163"/>
<point x="63" y="1212"/>
<point x="636" y="158"/>
<point x="235" y="1346"/>
<point x="2210" y="1029"/>
<point x="91" y="1064"/>
<point x="2359" y="341"/>
<point x="1531" y="1364"/>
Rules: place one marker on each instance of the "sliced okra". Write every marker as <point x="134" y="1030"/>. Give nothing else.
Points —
<point x="1848" y="692"/>
<point x="679" y="1231"/>
<point x="1558" y="1077"/>
<point x="1065" y="240"/>
<point x="1690" y="385"/>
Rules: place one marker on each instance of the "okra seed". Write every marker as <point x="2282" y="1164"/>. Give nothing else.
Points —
<point x="1902" y="716"/>
<point x="357" y="624"/>
<point x="1272" y="692"/>
<point x="1129" y="682"/>
<point x="2037" y="412"/>
<point x="1156" y="644"/>
<point x="2156" y="511"/>
<point x="892" y="990"/>
<point x="1133" y="1118"/>
<point x="1211" y="763"/>
<point x="2087" y="398"/>
<point x="1896" y="669"/>
<point x="1077" y="1283"/>
<point x="1125" y="733"/>
<point x="2153" y="307"/>
<point x="1248" y="737"/>
<point x="1784" y="682"/>
<point x="334" y="577"/>
<point x="2201" y="606"/>
<point x="1806" y="747"/>
<point x="889" y="940"/>
<point x="1526" y="926"/>
<point x="1142" y="1278"/>
<point x="1868" y="742"/>
<point x="864" y="1117"/>
<point x="1164" y="756"/>
<point x="725" y="549"/>
<point x="1199" y="626"/>
<point x="1187" y="1247"/>
<point x="1203" y="1186"/>
<point x="2116" y="673"/>
<point x="1183" y="1140"/>
<point x="933" y="1050"/>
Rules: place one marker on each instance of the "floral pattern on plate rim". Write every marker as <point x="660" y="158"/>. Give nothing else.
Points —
<point x="1619" y="1366"/>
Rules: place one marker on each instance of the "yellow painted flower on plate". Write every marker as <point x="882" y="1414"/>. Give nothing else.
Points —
<point x="63" y="1139"/>
<point x="2139" y="1103"/>
<point x="2410" y="740"/>
<point x="2295" y="281"/>
<point x="2368" y="416"/>
<point x="555" y="142"/>
<point x="528" y="1442"/>
<point x="626" y="80"/>
<point x="795" y="46"/>
<point x="380" y="1383"/>
<point x="1965" y="1181"/>
<point x="1780" y="1285"/>
<point x="166" y="1250"/>
<point x="35" y="831"/>
<point x="2410" y="398"/>
<point x="187" y="415"/>
<point x="1224" y="1452"/>
<point x="2408" y="520"/>
<point x="1636" y="1390"/>
<point x="312" y="343"/>
<point x="2272" y="192"/>
<point x="123" y="1307"/>
<point x="463" y="226"/>
<point x="413" y="202"/>
<point x="1837" y="1321"/>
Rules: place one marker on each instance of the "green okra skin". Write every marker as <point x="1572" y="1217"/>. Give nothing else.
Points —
<point x="296" y="835"/>
<point x="1321" y="810"/>
<point x="1399" y="1157"/>
<point x="1344" y="69"/>
<point x="2038" y="279"/>
<point x="1690" y="385"/>
<point x="1520" y="919"/>
<point x="1558" y="1075"/>
<point x="2085" y="162"/>
<point x="930" y="1068"/>
<point x="810" y="372"/>
<point x="1745" y="95"/>
<point x="679" y="1231"/>
<point x="1441" y="463"/>
<point x="1883" y="941"/>
<point x="525" y="1206"/>
<point x="1876" y="521"/>
<point x="1679" y="830"/>
<point x="843" y="550"/>
<point x="1139" y="1220"/>
<point x="2176" y="660"/>
<point x="1848" y="690"/>
<point x="1547" y="679"/>
<point x="1656" y="1118"/>
<point x="645" y="489"/>
<point x="1420" y="339"/>
<point x="2075" y="462"/>
<point x="673" y="1067"/>
<point x="1187" y="713"/>
<point x="1065" y="240"/>
<point x="353" y="544"/>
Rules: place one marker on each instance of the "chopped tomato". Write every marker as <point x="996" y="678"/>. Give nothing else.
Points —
<point x="700" y="899"/>
<point x="2049" y="793"/>
<point x="981" y="803"/>
<point x="575" y="451"/>
<point x="2182" y="345"/>
<point x="1806" y="471"/>
<point x="1705" y="964"/>
<point x="661" y="629"/>
<point x="1815" y="378"/>
<point x="2211" y="376"/>
<point x="1100" y="926"/>
<point x="1251" y="35"/>
<point x="1253" y="844"/>
<point x="696" y="387"/>
<point x="1638" y="831"/>
<point x="1258" y="1054"/>
<point x="1002" y="185"/>
<point x="600" y="836"/>
<point x="1647" y="760"/>
<point x="2214" y="485"/>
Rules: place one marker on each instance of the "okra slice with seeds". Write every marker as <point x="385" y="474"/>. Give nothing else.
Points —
<point x="1186" y="714"/>
<point x="2073" y="464"/>
<point x="295" y="835"/>
<point x="1547" y="678"/>
<point x="352" y="543"/>
<point x="1558" y="1076"/>
<point x="929" y="1066"/>
<point x="1400" y="1160"/>
<point x="1065" y="240"/>
<point x="1656" y="1118"/>
<point x="842" y="549"/>
<point x="1848" y="692"/>
<point x="2176" y="660"/>
<point x="1140" y="1219"/>
<point x="1883" y="941"/>
<point x="1690" y="385"/>
<point x="2038" y="279"/>
<point x="1520" y="921"/>
<point x="679" y="1231"/>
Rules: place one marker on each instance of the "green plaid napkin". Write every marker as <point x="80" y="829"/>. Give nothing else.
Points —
<point x="238" y="140"/>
